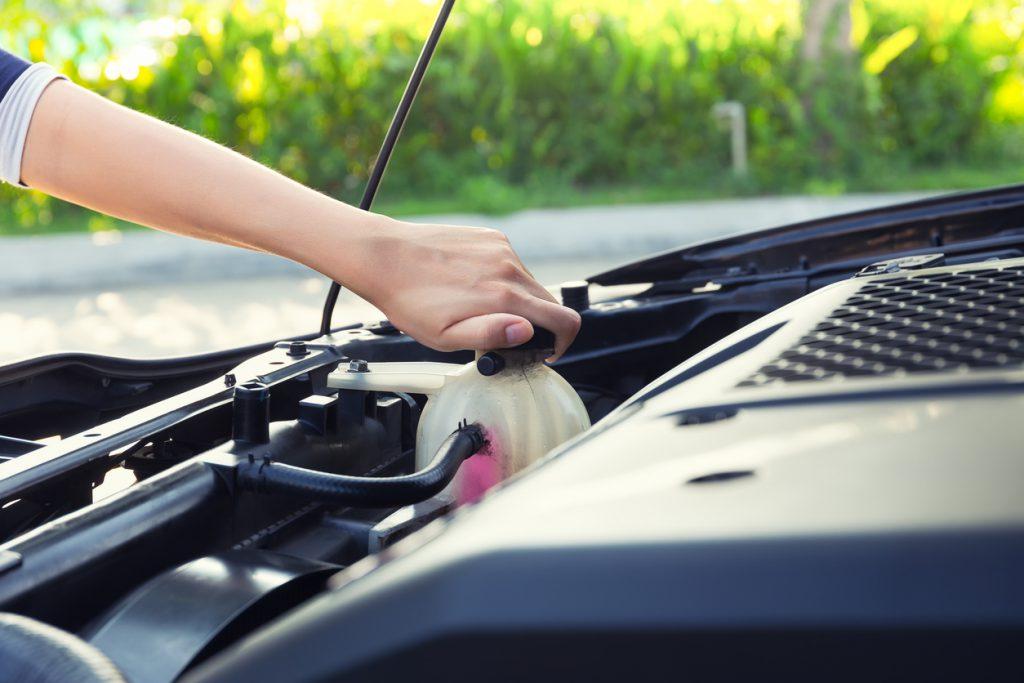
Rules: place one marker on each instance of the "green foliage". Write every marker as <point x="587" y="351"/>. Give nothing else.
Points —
<point x="529" y="98"/>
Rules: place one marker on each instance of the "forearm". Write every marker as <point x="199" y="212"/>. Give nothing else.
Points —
<point x="450" y="287"/>
<point x="92" y="152"/>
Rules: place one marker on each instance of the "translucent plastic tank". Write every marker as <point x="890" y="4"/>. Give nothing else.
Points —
<point x="525" y="408"/>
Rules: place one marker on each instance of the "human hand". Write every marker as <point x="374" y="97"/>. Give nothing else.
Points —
<point x="452" y="287"/>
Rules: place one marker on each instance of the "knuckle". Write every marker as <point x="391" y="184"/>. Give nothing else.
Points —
<point x="506" y="297"/>
<point x="497" y="294"/>
<point x="507" y="268"/>
<point x="577" y="321"/>
<point x="495" y="235"/>
<point x="442" y="341"/>
<point x="571" y="322"/>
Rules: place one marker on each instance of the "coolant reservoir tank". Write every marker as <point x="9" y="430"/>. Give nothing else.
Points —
<point x="525" y="408"/>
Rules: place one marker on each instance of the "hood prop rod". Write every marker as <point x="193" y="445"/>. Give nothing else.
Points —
<point x="388" y="146"/>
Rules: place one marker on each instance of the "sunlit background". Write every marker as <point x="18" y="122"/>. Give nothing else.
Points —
<point x="625" y="126"/>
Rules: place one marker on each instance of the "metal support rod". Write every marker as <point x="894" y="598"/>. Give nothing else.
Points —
<point x="388" y="146"/>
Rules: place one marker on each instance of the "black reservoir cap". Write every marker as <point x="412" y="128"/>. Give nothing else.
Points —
<point x="542" y="340"/>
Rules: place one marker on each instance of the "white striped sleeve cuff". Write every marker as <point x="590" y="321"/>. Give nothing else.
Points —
<point x="16" y="111"/>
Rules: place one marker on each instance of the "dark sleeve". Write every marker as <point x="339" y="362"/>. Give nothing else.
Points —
<point x="10" y="68"/>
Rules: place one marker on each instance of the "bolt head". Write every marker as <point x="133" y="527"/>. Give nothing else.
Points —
<point x="298" y="349"/>
<point x="576" y="295"/>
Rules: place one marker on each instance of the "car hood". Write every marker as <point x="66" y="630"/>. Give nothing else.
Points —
<point x="840" y="243"/>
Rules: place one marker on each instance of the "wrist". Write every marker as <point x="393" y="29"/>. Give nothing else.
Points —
<point x="345" y="247"/>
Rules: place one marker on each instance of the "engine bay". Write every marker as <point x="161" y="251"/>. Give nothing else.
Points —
<point x="726" y="396"/>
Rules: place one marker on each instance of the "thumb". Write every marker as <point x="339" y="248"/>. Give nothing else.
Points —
<point x="483" y="332"/>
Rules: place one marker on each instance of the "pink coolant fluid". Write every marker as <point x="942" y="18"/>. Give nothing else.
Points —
<point x="480" y="473"/>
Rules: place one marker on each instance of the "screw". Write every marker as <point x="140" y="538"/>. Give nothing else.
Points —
<point x="297" y="349"/>
<point x="229" y="380"/>
<point x="358" y="366"/>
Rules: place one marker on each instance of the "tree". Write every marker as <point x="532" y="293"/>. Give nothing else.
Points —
<point x="832" y="94"/>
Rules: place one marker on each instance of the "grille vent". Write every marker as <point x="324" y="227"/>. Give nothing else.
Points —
<point x="948" y="322"/>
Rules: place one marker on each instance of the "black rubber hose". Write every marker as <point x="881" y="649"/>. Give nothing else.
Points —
<point x="265" y="476"/>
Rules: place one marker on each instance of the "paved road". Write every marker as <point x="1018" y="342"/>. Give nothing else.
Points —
<point x="146" y="294"/>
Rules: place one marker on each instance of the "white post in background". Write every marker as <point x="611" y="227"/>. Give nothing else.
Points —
<point x="735" y="115"/>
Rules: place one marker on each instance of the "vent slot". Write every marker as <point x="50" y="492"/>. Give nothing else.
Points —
<point x="943" y="322"/>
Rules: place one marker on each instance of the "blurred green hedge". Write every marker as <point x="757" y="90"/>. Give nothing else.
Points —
<point x="549" y="94"/>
